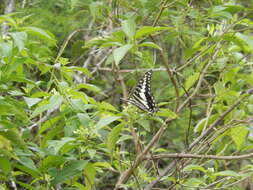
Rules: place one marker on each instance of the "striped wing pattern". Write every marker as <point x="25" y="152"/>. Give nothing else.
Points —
<point x="142" y="96"/>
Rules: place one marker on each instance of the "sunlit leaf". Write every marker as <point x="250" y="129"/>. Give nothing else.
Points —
<point x="106" y="121"/>
<point x="227" y="173"/>
<point x="113" y="136"/>
<point x="31" y="101"/>
<point x="40" y="33"/>
<point x="194" y="167"/>
<point x="119" y="53"/>
<point x="238" y="134"/>
<point x="90" y="173"/>
<point x="147" y="30"/>
<point x="166" y="113"/>
<point x="150" y="44"/>
<point x="129" y="27"/>
<point x="19" y="39"/>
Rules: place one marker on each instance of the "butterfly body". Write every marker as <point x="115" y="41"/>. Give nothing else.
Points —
<point x="142" y="96"/>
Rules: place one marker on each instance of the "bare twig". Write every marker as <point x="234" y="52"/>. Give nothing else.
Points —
<point x="197" y="156"/>
<point x="130" y="70"/>
<point x="65" y="43"/>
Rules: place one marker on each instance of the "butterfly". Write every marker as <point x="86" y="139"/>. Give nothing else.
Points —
<point x="142" y="96"/>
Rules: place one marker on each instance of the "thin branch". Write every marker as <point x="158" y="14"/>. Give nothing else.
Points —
<point x="65" y="43"/>
<point x="105" y="69"/>
<point x="217" y="122"/>
<point x="198" y="156"/>
<point x="126" y="174"/>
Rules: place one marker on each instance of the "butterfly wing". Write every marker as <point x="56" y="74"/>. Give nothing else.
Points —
<point x="142" y="96"/>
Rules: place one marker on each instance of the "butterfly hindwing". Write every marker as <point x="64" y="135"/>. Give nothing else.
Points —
<point x="142" y="96"/>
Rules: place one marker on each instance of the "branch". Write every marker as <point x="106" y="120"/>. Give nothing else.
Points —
<point x="65" y="43"/>
<point x="126" y="174"/>
<point x="129" y="70"/>
<point x="216" y="123"/>
<point x="206" y="132"/>
<point x="198" y="156"/>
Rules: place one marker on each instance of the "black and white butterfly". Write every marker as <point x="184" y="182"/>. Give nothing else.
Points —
<point x="142" y="96"/>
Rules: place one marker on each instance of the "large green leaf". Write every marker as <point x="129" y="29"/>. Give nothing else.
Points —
<point x="56" y="145"/>
<point x="106" y="121"/>
<point x="19" y="39"/>
<point x="113" y="136"/>
<point x="119" y="53"/>
<point x="227" y="173"/>
<point x="54" y="102"/>
<point x="238" y="134"/>
<point x="31" y="101"/>
<point x="246" y="39"/>
<point x="129" y="27"/>
<point x="5" y="165"/>
<point x="190" y="81"/>
<point x="194" y="167"/>
<point x="90" y="173"/>
<point x="150" y="44"/>
<point x="166" y="113"/>
<point x="40" y="33"/>
<point x="27" y="162"/>
<point x="147" y="30"/>
<point x="14" y="137"/>
<point x="69" y="171"/>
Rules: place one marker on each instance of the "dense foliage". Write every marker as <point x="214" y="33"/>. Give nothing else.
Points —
<point x="66" y="68"/>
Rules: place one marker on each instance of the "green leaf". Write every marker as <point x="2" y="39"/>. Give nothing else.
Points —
<point x="150" y="44"/>
<point x="120" y="52"/>
<point x="227" y="173"/>
<point x="147" y="30"/>
<point x="51" y="161"/>
<point x="113" y="136"/>
<point x="144" y="123"/>
<point x="5" y="165"/>
<point x="13" y="136"/>
<point x="129" y="28"/>
<point x="27" y="162"/>
<point x="69" y="171"/>
<point x="54" y="102"/>
<point x="166" y="113"/>
<point x="84" y="119"/>
<point x="190" y="81"/>
<point x="205" y="122"/>
<point x="31" y="101"/>
<point x="106" y="121"/>
<point x="194" y="167"/>
<point x="82" y="69"/>
<point x="56" y="145"/>
<point x="90" y="87"/>
<point x="250" y="108"/>
<point x="90" y="173"/>
<point x="107" y="106"/>
<point x="8" y="19"/>
<point x="38" y="32"/>
<point x="19" y="39"/>
<point x="194" y="182"/>
<point x="246" y="38"/>
<point x="238" y="135"/>
<point x="5" y="49"/>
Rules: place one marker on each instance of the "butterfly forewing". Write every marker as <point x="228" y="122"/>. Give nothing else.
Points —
<point x="142" y="96"/>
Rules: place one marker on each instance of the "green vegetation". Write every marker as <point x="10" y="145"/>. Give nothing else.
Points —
<point x="65" y="67"/>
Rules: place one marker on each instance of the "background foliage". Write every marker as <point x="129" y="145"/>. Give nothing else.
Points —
<point x="65" y="65"/>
